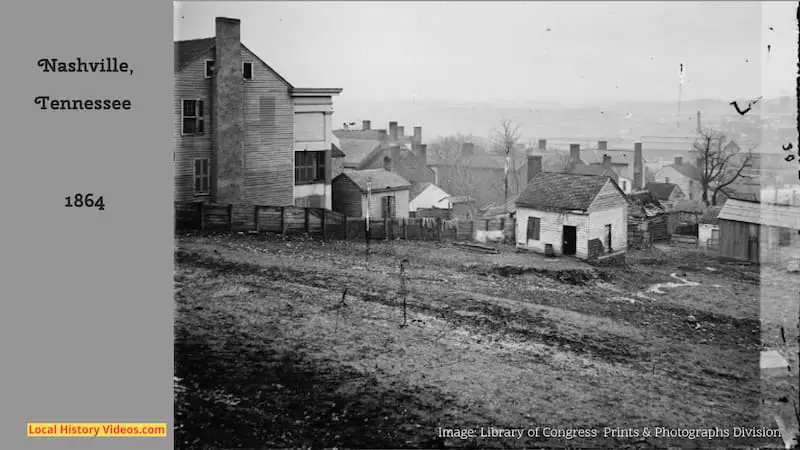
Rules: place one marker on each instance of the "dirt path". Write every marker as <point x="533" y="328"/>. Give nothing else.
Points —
<point x="481" y="348"/>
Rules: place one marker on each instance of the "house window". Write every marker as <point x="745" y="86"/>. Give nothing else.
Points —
<point x="388" y="207"/>
<point x="201" y="176"/>
<point x="209" y="68"/>
<point x="534" y="225"/>
<point x="608" y="237"/>
<point x="784" y="237"/>
<point x="247" y="70"/>
<point x="309" y="167"/>
<point x="192" y="117"/>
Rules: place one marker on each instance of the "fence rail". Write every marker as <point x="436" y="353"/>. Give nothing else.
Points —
<point x="331" y="224"/>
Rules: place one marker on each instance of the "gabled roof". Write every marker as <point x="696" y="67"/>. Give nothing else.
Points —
<point x="687" y="170"/>
<point x="380" y="179"/>
<point x="593" y="169"/>
<point x="188" y="51"/>
<point x="711" y="216"/>
<point x="549" y="191"/>
<point x="336" y="152"/>
<point x="418" y="188"/>
<point x="662" y="191"/>
<point x="785" y="216"/>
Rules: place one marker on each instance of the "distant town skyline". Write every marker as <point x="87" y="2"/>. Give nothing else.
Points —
<point x="567" y="52"/>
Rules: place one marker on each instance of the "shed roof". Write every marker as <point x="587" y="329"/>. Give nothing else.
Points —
<point x="380" y="179"/>
<point x="552" y="191"/>
<point x="784" y="216"/>
<point x="662" y="191"/>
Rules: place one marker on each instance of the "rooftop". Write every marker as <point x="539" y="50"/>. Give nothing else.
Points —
<point x="561" y="192"/>
<point x="785" y="216"/>
<point x="376" y="179"/>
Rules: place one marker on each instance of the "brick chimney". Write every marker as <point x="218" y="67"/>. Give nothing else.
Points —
<point x="468" y="149"/>
<point x="393" y="130"/>
<point x="394" y="153"/>
<point x="607" y="161"/>
<point x="382" y="136"/>
<point x="421" y="150"/>
<point x="602" y="145"/>
<point x="365" y="124"/>
<point x="387" y="163"/>
<point x="401" y="131"/>
<point x="542" y="144"/>
<point x="574" y="154"/>
<point x="227" y="106"/>
<point x="418" y="135"/>
<point x="638" y="166"/>
<point x="678" y="160"/>
<point x="534" y="165"/>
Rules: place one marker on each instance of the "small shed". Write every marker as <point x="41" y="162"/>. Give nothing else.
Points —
<point x="381" y="192"/>
<point x="585" y="216"/>
<point x="647" y="220"/>
<point x="759" y="232"/>
<point x="708" y="229"/>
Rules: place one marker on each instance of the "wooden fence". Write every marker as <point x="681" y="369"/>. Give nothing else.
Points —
<point x="329" y="224"/>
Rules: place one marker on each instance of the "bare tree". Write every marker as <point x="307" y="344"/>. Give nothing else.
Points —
<point x="456" y="176"/>
<point x="506" y="139"/>
<point x="720" y="164"/>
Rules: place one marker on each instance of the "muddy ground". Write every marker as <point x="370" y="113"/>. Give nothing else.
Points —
<point x="289" y="343"/>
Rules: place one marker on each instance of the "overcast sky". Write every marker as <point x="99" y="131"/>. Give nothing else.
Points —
<point x="548" y="51"/>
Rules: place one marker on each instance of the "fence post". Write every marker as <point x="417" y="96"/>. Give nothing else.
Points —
<point x="405" y="229"/>
<point x="386" y="224"/>
<point x="230" y="217"/>
<point x="346" y="230"/>
<point x="283" y="220"/>
<point x="202" y="216"/>
<point x="487" y="224"/>
<point x="439" y="229"/>
<point x="503" y="225"/>
<point x="255" y="217"/>
<point x="306" y="219"/>
<point x="324" y="223"/>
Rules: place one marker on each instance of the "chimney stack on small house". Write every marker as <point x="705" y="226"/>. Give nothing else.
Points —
<point x="382" y="136"/>
<point x="602" y="145"/>
<point x="387" y="163"/>
<point x="468" y="149"/>
<point x="365" y="124"/>
<point x="421" y="150"/>
<point x="393" y="130"/>
<point x="534" y="164"/>
<point x="418" y="135"/>
<point x="542" y="144"/>
<point x="574" y="154"/>
<point x="638" y="166"/>
<point x="227" y="106"/>
<point x="606" y="161"/>
<point x="678" y="160"/>
<point x="401" y="131"/>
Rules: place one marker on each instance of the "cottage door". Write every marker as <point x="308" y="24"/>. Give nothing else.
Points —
<point x="570" y="238"/>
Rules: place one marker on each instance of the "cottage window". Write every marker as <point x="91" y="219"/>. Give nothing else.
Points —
<point x="534" y="225"/>
<point x="309" y="167"/>
<point x="192" y="117"/>
<point x="201" y="176"/>
<point x="247" y="70"/>
<point x="608" y="238"/>
<point x="388" y="207"/>
<point x="209" y="68"/>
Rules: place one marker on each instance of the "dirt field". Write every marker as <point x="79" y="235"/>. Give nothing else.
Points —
<point x="272" y="352"/>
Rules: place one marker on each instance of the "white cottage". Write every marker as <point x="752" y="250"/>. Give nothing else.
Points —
<point x="569" y="214"/>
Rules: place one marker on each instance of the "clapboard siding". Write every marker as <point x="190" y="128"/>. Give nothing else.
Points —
<point x="191" y="84"/>
<point x="400" y="199"/>
<point x="618" y="219"/>
<point x="269" y="136"/>
<point x="268" y="133"/>
<point x="609" y="197"/>
<point x="551" y="230"/>
<point x="347" y="197"/>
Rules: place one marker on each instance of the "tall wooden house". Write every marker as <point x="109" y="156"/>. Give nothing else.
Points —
<point x="243" y="133"/>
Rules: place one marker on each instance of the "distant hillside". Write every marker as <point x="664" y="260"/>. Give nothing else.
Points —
<point x="625" y="120"/>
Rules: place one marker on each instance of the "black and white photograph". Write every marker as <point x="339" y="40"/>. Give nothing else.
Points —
<point x="486" y="224"/>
